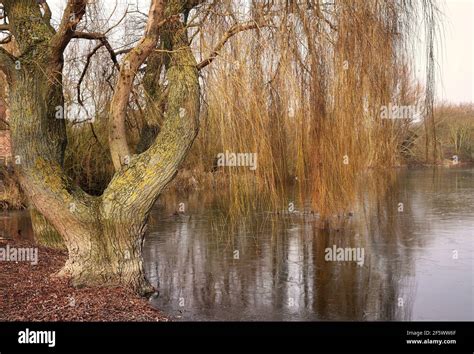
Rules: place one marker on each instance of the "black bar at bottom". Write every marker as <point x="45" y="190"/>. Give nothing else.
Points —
<point x="218" y="337"/>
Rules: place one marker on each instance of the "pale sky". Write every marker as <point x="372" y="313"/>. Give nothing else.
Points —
<point x="455" y="60"/>
<point x="455" y="65"/>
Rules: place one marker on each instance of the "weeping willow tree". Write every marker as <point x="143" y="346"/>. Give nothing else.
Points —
<point x="300" y="83"/>
<point x="308" y="92"/>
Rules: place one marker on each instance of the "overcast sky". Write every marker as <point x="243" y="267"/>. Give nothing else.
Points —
<point x="455" y="71"/>
<point x="456" y="65"/>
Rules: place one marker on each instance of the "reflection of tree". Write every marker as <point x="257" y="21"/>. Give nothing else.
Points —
<point x="391" y="236"/>
<point x="456" y="185"/>
<point x="15" y="225"/>
<point x="281" y="272"/>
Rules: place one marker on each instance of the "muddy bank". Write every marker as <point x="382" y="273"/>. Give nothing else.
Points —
<point x="29" y="293"/>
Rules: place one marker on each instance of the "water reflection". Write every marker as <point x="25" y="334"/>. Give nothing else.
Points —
<point x="416" y="228"/>
<point x="16" y="225"/>
<point x="273" y="267"/>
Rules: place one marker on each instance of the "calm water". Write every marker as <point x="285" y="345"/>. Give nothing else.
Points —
<point x="410" y="270"/>
<point x="418" y="263"/>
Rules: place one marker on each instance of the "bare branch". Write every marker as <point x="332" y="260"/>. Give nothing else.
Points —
<point x="47" y="12"/>
<point x="88" y="35"/>
<point x="123" y="51"/>
<point x="117" y="134"/>
<point x="103" y="39"/>
<point x="84" y="71"/>
<point x="73" y="14"/>
<point x="228" y="35"/>
<point x="103" y="43"/>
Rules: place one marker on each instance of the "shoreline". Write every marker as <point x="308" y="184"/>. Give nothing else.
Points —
<point x="183" y="181"/>
<point x="30" y="293"/>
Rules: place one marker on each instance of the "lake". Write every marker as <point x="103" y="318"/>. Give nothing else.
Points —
<point x="411" y="243"/>
<point x="418" y="262"/>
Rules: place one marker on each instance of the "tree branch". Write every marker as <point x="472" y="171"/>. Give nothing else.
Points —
<point x="73" y="14"/>
<point x="131" y="62"/>
<point x="228" y="35"/>
<point x="88" y="35"/>
<point x="84" y="71"/>
<point x="104" y="42"/>
<point x="153" y="169"/>
<point x="47" y="11"/>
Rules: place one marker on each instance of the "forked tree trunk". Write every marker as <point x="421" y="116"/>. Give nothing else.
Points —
<point x="103" y="235"/>
<point x="104" y="244"/>
<point x="107" y="252"/>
